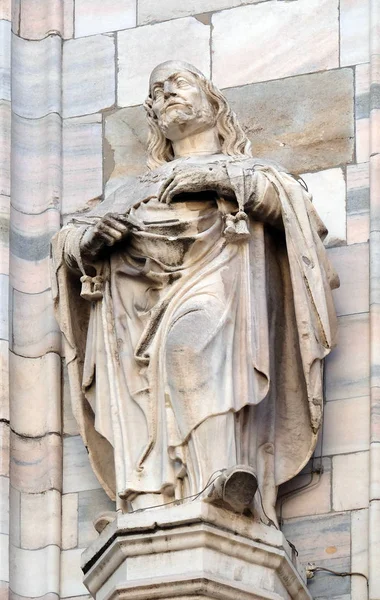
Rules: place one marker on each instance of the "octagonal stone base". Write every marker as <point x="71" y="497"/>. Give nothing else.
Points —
<point x="191" y="552"/>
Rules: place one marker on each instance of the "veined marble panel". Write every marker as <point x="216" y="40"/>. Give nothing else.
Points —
<point x="350" y="481"/>
<point x="36" y="463"/>
<point x="362" y="134"/>
<point x="5" y="147"/>
<point x="304" y="123"/>
<point x="329" y="197"/>
<point x="4" y="380"/>
<point x="151" y="10"/>
<point x="359" y="559"/>
<point x="40" y="520"/>
<point x="100" y="16"/>
<point x="362" y="85"/>
<point x="35" y="331"/>
<point x="357" y="203"/>
<point x="352" y="264"/>
<point x="82" y="162"/>
<point x="5" y="60"/>
<point x="70" y="426"/>
<point x="5" y="10"/>
<point x="298" y="37"/>
<point x="40" y="379"/>
<point x="126" y="133"/>
<point x="347" y="367"/>
<point x="34" y="95"/>
<point x="36" y="163"/>
<point x="71" y="574"/>
<point x="354" y="31"/>
<point x="88" y="75"/>
<point x="142" y="48"/>
<point x="43" y="563"/>
<point x="77" y="472"/>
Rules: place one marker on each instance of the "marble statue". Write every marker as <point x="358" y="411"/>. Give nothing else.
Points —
<point x="196" y="308"/>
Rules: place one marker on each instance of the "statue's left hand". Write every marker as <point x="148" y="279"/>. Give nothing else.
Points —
<point x="194" y="178"/>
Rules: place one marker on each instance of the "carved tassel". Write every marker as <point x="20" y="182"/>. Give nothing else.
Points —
<point x="236" y="229"/>
<point x="92" y="288"/>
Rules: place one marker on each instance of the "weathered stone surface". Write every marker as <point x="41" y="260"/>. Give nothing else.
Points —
<point x="350" y="481"/>
<point x="100" y="16"/>
<point x="362" y="89"/>
<point x="4" y="449"/>
<point x="72" y="575"/>
<point x="324" y="541"/>
<point x="91" y="504"/>
<point x="4" y="234"/>
<point x="314" y="499"/>
<point x="5" y="10"/>
<point x="357" y="203"/>
<point x="40" y="19"/>
<point x="36" y="164"/>
<point x="69" y="521"/>
<point x="4" y="315"/>
<point x="298" y="37"/>
<point x="362" y="134"/>
<point x="352" y="264"/>
<point x="82" y="162"/>
<point x="304" y="123"/>
<point x="329" y="198"/>
<point x="151" y="10"/>
<point x="30" y="340"/>
<point x="346" y="426"/>
<point x="141" y="49"/>
<point x="4" y="505"/>
<point x="5" y="60"/>
<point x="354" y="31"/>
<point x="36" y="463"/>
<point x="5" y="147"/>
<point x="34" y="95"/>
<point x="126" y="134"/>
<point x="359" y="544"/>
<point x="4" y="557"/>
<point x="40" y="519"/>
<point x="4" y="380"/>
<point x="88" y="75"/>
<point x="37" y="378"/>
<point x="77" y="473"/>
<point x="347" y="368"/>
<point x="43" y="563"/>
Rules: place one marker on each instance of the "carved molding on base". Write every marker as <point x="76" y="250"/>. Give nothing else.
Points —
<point x="191" y="552"/>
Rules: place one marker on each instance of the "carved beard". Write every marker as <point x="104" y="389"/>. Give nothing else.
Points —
<point x="185" y="113"/>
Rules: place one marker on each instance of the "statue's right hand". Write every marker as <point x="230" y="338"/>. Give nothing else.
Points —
<point x="110" y="229"/>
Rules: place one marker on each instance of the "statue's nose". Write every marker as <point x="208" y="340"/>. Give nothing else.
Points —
<point x="169" y="89"/>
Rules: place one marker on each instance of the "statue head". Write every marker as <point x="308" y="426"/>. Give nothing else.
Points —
<point x="182" y="102"/>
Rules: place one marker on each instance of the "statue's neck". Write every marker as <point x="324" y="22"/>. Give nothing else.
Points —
<point x="203" y="142"/>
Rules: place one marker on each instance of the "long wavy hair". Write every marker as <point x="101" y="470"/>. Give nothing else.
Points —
<point x="233" y="140"/>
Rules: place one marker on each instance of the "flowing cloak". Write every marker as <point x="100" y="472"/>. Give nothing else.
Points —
<point x="268" y="302"/>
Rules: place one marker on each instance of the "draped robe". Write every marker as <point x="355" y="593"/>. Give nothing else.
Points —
<point x="192" y="327"/>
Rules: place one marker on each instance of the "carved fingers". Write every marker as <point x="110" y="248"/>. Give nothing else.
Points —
<point x="192" y="179"/>
<point x="110" y="229"/>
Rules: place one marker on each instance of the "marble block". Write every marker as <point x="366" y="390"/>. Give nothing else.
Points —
<point x="350" y="481"/>
<point x="298" y="37"/>
<point x="304" y="123"/>
<point x="354" y="31"/>
<point x="5" y="60"/>
<point x="40" y="19"/>
<point x="142" y="48"/>
<point x="193" y="550"/>
<point x="151" y="10"/>
<point x="88" y="75"/>
<point x="36" y="76"/>
<point x="100" y="16"/>
<point x="5" y="147"/>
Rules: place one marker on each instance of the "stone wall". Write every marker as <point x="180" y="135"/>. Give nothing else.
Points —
<point x="298" y="73"/>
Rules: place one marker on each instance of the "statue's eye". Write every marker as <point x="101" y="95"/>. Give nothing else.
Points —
<point x="182" y="83"/>
<point x="158" y="93"/>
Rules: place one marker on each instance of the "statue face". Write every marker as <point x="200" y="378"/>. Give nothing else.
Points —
<point x="180" y="104"/>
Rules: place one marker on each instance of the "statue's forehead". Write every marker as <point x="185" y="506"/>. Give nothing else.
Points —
<point x="160" y="75"/>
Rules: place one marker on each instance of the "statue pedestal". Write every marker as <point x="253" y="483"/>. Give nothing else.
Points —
<point x="191" y="552"/>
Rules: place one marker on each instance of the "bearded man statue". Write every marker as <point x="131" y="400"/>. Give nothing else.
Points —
<point x="196" y="307"/>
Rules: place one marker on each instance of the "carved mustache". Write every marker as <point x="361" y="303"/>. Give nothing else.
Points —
<point x="174" y="103"/>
